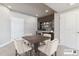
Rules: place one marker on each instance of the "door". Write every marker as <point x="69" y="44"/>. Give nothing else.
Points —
<point x="68" y="29"/>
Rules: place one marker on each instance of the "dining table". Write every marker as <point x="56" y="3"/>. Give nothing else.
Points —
<point x="35" y="40"/>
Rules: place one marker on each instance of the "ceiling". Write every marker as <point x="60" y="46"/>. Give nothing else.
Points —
<point x="39" y="9"/>
<point x="62" y="7"/>
<point x="33" y="9"/>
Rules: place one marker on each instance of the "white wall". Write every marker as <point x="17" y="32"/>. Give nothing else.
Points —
<point x="29" y="25"/>
<point x="5" y="34"/>
<point x="57" y="26"/>
<point x="69" y="24"/>
<point x="5" y="29"/>
<point x="6" y="46"/>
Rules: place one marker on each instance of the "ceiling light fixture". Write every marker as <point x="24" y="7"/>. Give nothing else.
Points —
<point x="46" y="11"/>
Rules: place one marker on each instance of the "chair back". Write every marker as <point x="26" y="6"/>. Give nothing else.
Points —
<point x="55" y="44"/>
<point x="52" y="46"/>
<point x="47" y="35"/>
<point x="19" y="46"/>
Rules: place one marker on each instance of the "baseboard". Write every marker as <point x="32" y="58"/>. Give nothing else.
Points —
<point x="2" y="45"/>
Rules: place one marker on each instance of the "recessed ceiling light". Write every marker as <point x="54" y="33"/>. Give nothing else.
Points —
<point x="72" y="4"/>
<point x="46" y="11"/>
<point x="9" y="6"/>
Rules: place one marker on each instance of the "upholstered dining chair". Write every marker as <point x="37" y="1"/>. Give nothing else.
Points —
<point x="47" y="35"/>
<point x="21" y="47"/>
<point x="45" y="42"/>
<point x="50" y="48"/>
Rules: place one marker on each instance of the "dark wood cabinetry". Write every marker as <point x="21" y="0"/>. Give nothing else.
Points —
<point x="46" y="22"/>
<point x="46" y="25"/>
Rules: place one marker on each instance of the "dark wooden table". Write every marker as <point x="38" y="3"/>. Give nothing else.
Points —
<point x="36" y="39"/>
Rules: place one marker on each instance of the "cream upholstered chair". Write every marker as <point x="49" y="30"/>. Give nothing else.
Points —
<point x="47" y="35"/>
<point x="21" y="47"/>
<point x="45" y="42"/>
<point x="50" y="48"/>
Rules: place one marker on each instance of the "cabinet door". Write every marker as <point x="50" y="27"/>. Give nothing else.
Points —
<point x="67" y="29"/>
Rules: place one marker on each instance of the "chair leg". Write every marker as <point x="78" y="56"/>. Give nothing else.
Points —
<point x="38" y="53"/>
<point x="52" y="55"/>
<point x="55" y="53"/>
<point x="16" y="52"/>
<point x="30" y="52"/>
